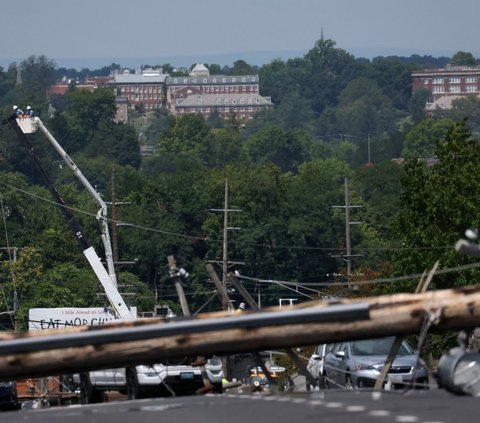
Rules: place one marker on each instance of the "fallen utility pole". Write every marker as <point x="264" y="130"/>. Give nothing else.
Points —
<point x="143" y="342"/>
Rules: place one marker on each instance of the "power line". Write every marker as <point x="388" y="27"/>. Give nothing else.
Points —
<point x="366" y="282"/>
<point x="219" y="241"/>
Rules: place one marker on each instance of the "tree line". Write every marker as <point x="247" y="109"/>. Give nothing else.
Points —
<point x="335" y="116"/>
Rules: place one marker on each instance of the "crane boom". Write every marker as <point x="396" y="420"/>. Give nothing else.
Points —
<point x="28" y="125"/>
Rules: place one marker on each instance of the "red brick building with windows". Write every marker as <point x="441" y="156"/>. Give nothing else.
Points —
<point x="200" y="92"/>
<point x="447" y="84"/>
<point x="143" y="89"/>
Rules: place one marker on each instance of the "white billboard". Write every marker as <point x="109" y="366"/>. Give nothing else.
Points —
<point x="65" y="317"/>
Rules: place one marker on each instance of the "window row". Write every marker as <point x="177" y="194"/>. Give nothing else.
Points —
<point x="456" y="89"/>
<point x="220" y="109"/>
<point x="231" y="89"/>
<point x="452" y="80"/>
<point x="214" y="80"/>
<point x="143" y="90"/>
<point x="234" y="101"/>
<point x="138" y="97"/>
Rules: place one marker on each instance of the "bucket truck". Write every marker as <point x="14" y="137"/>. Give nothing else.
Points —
<point x="137" y="381"/>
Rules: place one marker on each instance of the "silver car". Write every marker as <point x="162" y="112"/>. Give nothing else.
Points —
<point x="357" y="364"/>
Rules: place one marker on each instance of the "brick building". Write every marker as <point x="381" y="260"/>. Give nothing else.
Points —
<point x="447" y="84"/>
<point x="98" y="81"/>
<point x="200" y="92"/>
<point x="144" y="89"/>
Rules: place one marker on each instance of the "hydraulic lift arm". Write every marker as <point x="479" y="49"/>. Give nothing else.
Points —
<point x="26" y="125"/>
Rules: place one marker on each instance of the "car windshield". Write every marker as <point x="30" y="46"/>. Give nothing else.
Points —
<point x="379" y="346"/>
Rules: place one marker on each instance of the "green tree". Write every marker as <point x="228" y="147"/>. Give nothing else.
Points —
<point x="240" y="67"/>
<point x="327" y="71"/>
<point x="468" y="108"/>
<point x="463" y="58"/>
<point x="394" y="78"/>
<point x="279" y="78"/>
<point x="214" y="69"/>
<point x="222" y="147"/>
<point x="437" y="205"/>
<point x="159" y="124"/>
<point x="261" y="195"/>
<point x="38" y="74"/>
<point x="7" y="82"/>
<point x="377" y="188"/>
<point x="185" y="137"/>
<point x="85" y="112"/>
<point x="117" y="142"/>
<point x="421" y="140"/>
<point x="417" y="104"/>
<point x="364" y="109"/>
<point x="316" y="229"/>
<point x="287" y="149"/>
<point x="294" y="111"/>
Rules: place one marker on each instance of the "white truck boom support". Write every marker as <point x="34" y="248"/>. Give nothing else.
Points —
<point x="29" y="125"/>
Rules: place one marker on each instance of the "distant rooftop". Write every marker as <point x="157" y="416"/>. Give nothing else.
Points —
<point x="212" y="80"/>
<point x="140" y="77"/>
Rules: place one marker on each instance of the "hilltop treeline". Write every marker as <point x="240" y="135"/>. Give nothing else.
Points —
<point x="336" y="118"/>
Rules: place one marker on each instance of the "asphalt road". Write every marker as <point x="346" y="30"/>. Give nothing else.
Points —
<point x="434" y="406"/>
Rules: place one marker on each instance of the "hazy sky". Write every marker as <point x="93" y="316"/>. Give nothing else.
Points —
<point x="107" y="29"/>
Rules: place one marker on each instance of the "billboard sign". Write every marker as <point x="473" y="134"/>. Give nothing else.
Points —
<point x="66" y="317"/>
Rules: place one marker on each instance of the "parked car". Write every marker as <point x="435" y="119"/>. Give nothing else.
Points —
<point x="8" y="395"/>
<point x="357" y="364"/>
<point x="316" y="364"/>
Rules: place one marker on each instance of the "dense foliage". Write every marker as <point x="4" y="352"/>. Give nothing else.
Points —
<point x="335" y="117"/>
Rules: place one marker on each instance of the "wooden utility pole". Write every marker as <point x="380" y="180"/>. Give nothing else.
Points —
<point x="401" y="314"/>
<point x="348" y="244"/>
<point x="226" y="228"/>
<point x="347" y="228"/>
<point x="225" y="237"/>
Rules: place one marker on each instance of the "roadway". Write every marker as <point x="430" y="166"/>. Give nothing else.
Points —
<point x="432" y="406"/>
